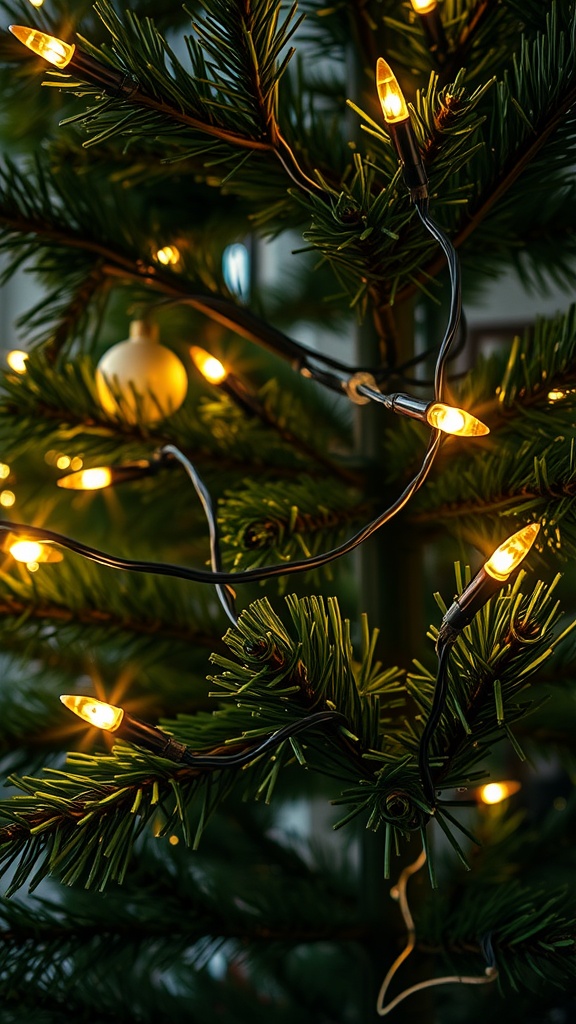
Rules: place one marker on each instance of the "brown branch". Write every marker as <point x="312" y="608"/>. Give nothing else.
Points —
<point x="13" y="607"/>
<point x="474" y="508"/>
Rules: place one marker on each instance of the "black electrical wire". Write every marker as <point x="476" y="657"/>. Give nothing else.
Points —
<point x="455" y="299"/>
<point x="438" y="702"/>
<point x="239" y="760"/>
<point x="225" y="596"/>
<point x="315" y="561"/>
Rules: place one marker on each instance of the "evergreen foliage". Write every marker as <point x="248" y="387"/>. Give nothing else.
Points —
<point x="165" y="890"/>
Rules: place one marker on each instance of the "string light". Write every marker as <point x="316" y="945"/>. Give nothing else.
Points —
<point x="429" y="15"/>
<point x="133" y="730"/>
<point x="16" y="360"/>
<point x="216" y="373"/>
<point x="397" y="118"/>
<point x="493" y="574"/>
<point x="211" y="368"/>
<point x="443" y="417"/>
<point x="52" y="49"/>
<point x="63" y="462"/>
<point x="95" y="712"/>
<point x="556" y="395"/>
<point x="98" y="477"/>
<point x="7" y="498"/>
<point x="4" y="470"/>
<point x="168" y="255"/>
<point x="31" y="551"/>
<point x="424" y="6"/>
<point x="496" y="792"/>
<point x="511" y="553"/>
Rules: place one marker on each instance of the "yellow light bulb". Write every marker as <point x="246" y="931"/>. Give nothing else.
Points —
<point x="36" y="3"/>
<point x="168" y="255"/>
<point x="16" y="360"/>
<point x="54" y="50"/>
<point x="455" y="421"/>
<point x="26" y="551"/>
<point x="556" y="395"/>
<point x="210" y="367"/>
<point x="508" y="556"/>
<point x="424" y="6"/>
<point x="4" y="470"/>
<point x="495" y="792"/>
<point x="7" y="498"/>
<point x="95" y="712"/>
<point x="63" y="461"/>
<point x="87" y="479"/>
<point x="390" y="94"/>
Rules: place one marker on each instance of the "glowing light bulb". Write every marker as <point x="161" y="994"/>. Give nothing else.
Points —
<point x="556" y="395"/>
<point x="168" y="255"/>
<point x="455" y="421"/>
<point x="210" y="367"/>
<point x="87" y="479"/>
<point x="393" y="104"/>
<point x="4" y="470"/>
<point x="63" y="461"/>
<point x="54" y="50"/>
<point x="95" y="712"/>
<point x="26" y="551"/>
<point x="7" y="498"/>
<point x="424" y="6"/>
<point x="16" y="360"/>
<point x="508" y="556"/>
<point x="495" y="792"/>
<point x="36" y="3"/>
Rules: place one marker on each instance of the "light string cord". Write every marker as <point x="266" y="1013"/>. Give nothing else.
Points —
<point x="438" y="702"/>
<point x="314" y="561"/>
<point x="215" y="761"/>
<point x="224" y="593"/>
<point x="399" y="893"/>
<point x="455" y="312"/>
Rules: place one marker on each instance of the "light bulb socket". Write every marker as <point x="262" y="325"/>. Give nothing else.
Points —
<point x="410" y="157"/>
<point x="435" y="34"/>
<point x="407" y="405"/>
<point x="142" y="734"/>
<point x="114" y="83"/>
<point x="464" y="608"/>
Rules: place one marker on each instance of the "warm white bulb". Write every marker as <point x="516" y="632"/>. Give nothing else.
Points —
<point x="87" y="479"/>
<point x="210" y="367"/>
<point x="54" y="50"/>
<point x="511" y="553"/>
<point x="495" y="792"/>
<point x="16" y="360"/>
<point x="455" y="421"/>
<point x="95" y="712"/>
<point x="26" y="551"/>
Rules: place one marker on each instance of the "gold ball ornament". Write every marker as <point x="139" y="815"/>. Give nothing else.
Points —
<point x="139" y="380"/>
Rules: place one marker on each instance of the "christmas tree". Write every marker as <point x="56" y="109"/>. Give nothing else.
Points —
<point x="296" y="551"/>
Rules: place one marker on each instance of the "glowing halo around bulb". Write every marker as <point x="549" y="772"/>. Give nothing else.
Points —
<point x="390" y="94"/>
<point x="54" y="50"/>
<point x="455" y="421"/>
<point x="210" y="367"/>
<point x="508" y="556"/>
<point x="496" y="792"/>
<point x="95" y="712"/>
<point x="87" y="479"/>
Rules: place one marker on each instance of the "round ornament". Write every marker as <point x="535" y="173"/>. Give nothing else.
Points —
<point x="149" y="380"/>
